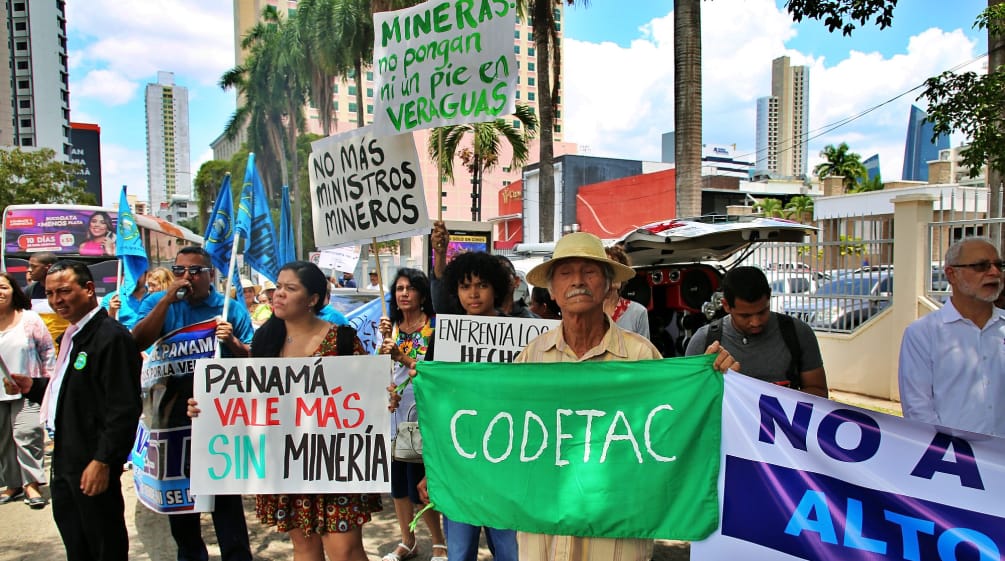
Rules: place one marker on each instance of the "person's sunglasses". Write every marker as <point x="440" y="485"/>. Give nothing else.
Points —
<point x="983" y="266"/>
<point x="193" y="270"/>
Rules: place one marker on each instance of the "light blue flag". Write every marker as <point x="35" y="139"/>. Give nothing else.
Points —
<point x="129" y="248"/>
<point x="254" y="224"/>
<point x="287" y="250"/>
<point x="220" y="229"/>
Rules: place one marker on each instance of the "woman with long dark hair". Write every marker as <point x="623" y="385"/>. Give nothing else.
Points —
<point x="408" y="338"/>
<point x="100" y="235"/>
<point x="318" y="524"/>
<point x="26" y="348"/>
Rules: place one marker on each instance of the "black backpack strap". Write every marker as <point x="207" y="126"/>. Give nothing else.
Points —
<point x="787" y="326"/>
<point x="345" y="340"/>
<point x="714" y="332"/>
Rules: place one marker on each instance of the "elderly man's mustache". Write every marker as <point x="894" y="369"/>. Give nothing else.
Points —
<point x="579" y="292"/>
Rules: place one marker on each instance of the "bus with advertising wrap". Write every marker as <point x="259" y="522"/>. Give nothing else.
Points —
<point x="84" y="233"/>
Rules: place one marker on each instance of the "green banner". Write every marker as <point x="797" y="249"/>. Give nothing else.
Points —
<point x="606" y="449"/>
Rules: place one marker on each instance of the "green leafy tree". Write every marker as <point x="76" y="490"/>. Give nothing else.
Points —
<point x="207" y="184"/>
<point x="486" y="141"/>
<point x="840" y="161"/>
<point x="799" y="207"/>
<point x="36" y="177"/>
<point x="869" y="184"/>
<point x="273" y="83"/>
<point x="769" y="207"/>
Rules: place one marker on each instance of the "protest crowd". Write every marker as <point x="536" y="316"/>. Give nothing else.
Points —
<point x="535" y="414"/>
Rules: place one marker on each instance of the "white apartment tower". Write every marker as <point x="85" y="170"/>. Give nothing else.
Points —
<point x="783" y="121"/>
<point x="35" y="78"/>
<point x="169" y="177"/>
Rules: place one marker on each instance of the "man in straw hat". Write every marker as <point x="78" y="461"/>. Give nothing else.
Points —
<point x="579" y="276"/>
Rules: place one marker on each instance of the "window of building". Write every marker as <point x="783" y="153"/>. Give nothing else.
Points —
<point x="20" y="26"/>
<point x="352" y="90"/>
<point x="530" y="96"/>
<point x="516" y="49"/>
<point x="558" y="14"/>
<point x="369" y="92"/>
<point x="22" y="84"/>
<point x="558" y="128"/>
<point x="21" y="46"/>
<point x="18" y="6"/>
<point x="369" y="76"/>
<point x="516" y="34"/>
<point x="530" y="51"/>
<point x="558" y="26"/>
<point x="517" y="94"/>
<point x="22" y="65"/>
<point x="369" y="109"/>
<point x="26" y="122"/>
<point x="24" y="104"/>
<point x="530" y="66"/>
<point x="530" y="35"/>
<point x="516" y="125"/>
<point x="530" y="80"/>
<point x="26" y="141"/>
<point x="352" y="108"/>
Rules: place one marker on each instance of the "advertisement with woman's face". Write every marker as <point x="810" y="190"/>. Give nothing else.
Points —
<point x="61" y="231"/>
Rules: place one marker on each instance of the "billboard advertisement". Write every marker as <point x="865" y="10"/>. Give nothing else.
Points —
<point x="61" y="231"/>
<point x="86" y="141"/>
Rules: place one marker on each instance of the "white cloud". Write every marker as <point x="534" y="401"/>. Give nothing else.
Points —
<point x="137" y="38"/>
<point x="624" y="113"/>
<point x="107" y="86"/>
<point x="121" y="165"/>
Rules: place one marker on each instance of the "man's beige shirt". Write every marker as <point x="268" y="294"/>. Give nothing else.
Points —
<point x="617" y="344"/>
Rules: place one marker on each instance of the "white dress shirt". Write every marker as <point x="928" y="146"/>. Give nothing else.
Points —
<point x="951" y="372"/>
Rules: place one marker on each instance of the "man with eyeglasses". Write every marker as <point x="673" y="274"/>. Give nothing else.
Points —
<point x="951" y="360"/>
<point x="190" y="299"/>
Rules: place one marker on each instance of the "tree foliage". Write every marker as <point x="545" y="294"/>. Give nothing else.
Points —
<point x="869" y="184"/>
<point x="840" y="161"/>
<point x="799" y="207"/>
<point x="843" y="14"/>
<point x="207" y="184"/>
<point x="36" y="177"/>
<point x="769" y="207"/>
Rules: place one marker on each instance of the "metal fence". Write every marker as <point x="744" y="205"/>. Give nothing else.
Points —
<point x="960" y="213"/>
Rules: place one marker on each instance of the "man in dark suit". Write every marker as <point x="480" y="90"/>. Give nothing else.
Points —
<point x="92" y="403"/>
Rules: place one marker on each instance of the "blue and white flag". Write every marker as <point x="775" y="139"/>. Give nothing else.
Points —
<point x="220" y="229"/>
<point x="254" y="224"/>
<point x="287" y="250"/>
<point x="129" y="248"/>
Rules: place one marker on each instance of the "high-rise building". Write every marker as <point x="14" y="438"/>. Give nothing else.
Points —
<point x="86" y="151"/>
<point x="169" y="177"/>
<point x="783" y="121"/>
<point x="871" y="165"/>
<point x="919" y="148"/>
<point x="35" y="78"/>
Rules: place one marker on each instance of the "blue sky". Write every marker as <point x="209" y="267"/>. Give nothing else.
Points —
<point x="116" y="47"/>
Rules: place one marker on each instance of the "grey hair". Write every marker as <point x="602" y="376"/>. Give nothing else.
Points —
<point x="954" y="251"/>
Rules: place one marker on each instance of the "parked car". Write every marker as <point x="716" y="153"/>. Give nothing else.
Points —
<point x="846" y="302"/>
<point x="680" y="265"/>
<point x="788" y="289"/>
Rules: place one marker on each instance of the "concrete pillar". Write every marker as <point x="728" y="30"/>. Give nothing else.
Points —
<point x="912" y="260"/>
<point x="940" y="172"/>
<point x="833" y="185"/>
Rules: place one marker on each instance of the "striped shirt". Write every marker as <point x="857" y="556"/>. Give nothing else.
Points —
<point x="617" y="344"/>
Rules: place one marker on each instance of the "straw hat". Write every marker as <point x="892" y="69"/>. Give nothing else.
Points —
<point x="268" y="285"/>
<point x="246" y="283"/>
<point x="579" y="245"/>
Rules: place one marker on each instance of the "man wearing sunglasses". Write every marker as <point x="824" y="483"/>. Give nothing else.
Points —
<point x="190" y="299"/>
<point x="952" y="360"/>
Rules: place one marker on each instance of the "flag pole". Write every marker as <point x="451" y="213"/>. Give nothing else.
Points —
<point x="380" y="277"/>
<point x="230" y="281"/>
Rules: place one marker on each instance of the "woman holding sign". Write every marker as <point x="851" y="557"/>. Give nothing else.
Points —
<point x="408" y="338"/>
<point x="318" y="524"/>
<point x="25" y="348"/>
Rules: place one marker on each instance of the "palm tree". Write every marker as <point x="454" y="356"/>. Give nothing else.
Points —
<point x="687" y="106"/>
<point x="486" y="145"/>
<point x="273" y="83"/>
<point x="769" y="207"/>
<point x="322" y="56"/>
<point x="871" y="184"/>
<point x="839" y="161"/>
<point x="799" y="206"/>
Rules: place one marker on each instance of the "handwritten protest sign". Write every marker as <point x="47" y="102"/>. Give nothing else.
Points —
<point x="365" y="187"/>
<point x="160" y="452"/>
<point x="584" y="449"/>
<point x="339" y="259"/>
<point x="442" y="63"/>
<point x="293" y="425"/>
<point x="808" y="478"/>
<point x="485" y="339"/>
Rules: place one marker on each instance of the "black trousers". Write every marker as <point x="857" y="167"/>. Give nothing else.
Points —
<point x="92" y="528"/>
<point x="231" y="532"/>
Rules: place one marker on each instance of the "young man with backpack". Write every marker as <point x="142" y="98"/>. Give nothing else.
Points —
<point x="772" y="347"/>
